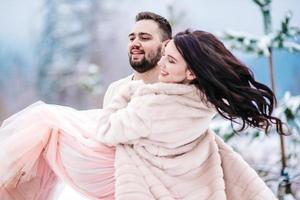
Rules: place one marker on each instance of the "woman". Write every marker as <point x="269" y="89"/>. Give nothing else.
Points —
<point x="152" y="141"/>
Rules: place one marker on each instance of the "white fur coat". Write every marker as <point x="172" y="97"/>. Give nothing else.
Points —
<point x="165" y="149"/>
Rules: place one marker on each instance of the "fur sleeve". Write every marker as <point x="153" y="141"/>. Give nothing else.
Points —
<point x="167" y="114"/>
<point x="124" y="120"/>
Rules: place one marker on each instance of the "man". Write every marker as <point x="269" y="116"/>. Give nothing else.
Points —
<point x="146" y="42"/>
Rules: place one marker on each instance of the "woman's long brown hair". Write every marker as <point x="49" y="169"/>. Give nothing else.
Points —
<point x="226" y="82"/>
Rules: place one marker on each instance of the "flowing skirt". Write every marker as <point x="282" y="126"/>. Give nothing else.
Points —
<point x="44" y="144"/>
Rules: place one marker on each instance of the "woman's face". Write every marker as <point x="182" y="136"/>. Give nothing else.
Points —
<point x="173" y="68"/>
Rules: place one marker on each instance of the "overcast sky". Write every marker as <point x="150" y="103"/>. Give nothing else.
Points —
<point x="19" y="19"/>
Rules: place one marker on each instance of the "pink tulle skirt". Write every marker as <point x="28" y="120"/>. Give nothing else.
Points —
<point x="44" y="145"/>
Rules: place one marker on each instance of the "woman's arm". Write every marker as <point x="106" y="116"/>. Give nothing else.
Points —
<point x="168" y="114"/>
<point x="124" y="119"/>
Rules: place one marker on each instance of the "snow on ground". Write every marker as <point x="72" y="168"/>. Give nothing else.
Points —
<point x="70" y="194"/>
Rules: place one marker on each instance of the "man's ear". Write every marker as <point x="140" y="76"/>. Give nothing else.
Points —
<point x="190" y="75"/>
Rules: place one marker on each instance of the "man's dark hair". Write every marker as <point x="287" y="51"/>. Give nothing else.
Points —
<point x="163" y="24"/>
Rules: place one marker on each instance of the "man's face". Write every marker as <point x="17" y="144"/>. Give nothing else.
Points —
<point x="144" y="45"/>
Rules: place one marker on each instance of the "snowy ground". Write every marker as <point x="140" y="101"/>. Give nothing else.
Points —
<point x="69" y="193"/>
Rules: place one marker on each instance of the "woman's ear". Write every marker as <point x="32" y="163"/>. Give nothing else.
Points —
<point x="190" y="75"/>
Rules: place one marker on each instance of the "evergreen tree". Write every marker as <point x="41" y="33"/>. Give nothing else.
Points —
<point x="68" y="46"/>
<point x="285" y="38"/>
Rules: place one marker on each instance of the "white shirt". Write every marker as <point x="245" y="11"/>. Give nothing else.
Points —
<point x="114" y="88"/>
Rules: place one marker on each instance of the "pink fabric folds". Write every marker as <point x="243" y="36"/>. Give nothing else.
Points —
<point x="44" y="144"/>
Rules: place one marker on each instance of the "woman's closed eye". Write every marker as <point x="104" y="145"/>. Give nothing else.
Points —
<point x="170" y="60"/>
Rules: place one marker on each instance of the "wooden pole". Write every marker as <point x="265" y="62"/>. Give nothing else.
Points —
<point x="281" y="137"/>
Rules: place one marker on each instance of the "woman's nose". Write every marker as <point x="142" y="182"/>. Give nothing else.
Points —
<point x="161" y="62"/>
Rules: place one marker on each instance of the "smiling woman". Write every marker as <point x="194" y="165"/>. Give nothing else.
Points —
<point x="173" y="67"/>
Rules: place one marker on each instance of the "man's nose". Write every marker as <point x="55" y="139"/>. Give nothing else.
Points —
<point x="136" y="42"/>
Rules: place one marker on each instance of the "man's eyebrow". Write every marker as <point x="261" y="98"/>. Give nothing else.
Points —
<point x="143" y="33"/>
<point x="140" y="34"/>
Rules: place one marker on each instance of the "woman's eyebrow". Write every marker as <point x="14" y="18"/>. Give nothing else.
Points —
<point x="171" y="57"/>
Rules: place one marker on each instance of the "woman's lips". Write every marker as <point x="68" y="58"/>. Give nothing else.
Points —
<point x="163" y="73"/>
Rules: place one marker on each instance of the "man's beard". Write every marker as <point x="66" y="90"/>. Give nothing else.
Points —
<point x="145" y="65"/>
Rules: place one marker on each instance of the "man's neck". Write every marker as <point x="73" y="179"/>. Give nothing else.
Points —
<point x="150" y="76"/>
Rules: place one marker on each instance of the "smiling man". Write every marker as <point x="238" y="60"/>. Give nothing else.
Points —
<point x="146" y="42"/>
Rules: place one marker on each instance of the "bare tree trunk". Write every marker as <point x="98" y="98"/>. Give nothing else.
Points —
<point x="271" y="70"/>
<point x="285" y="185"/>
<point x="272" y="78"/>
